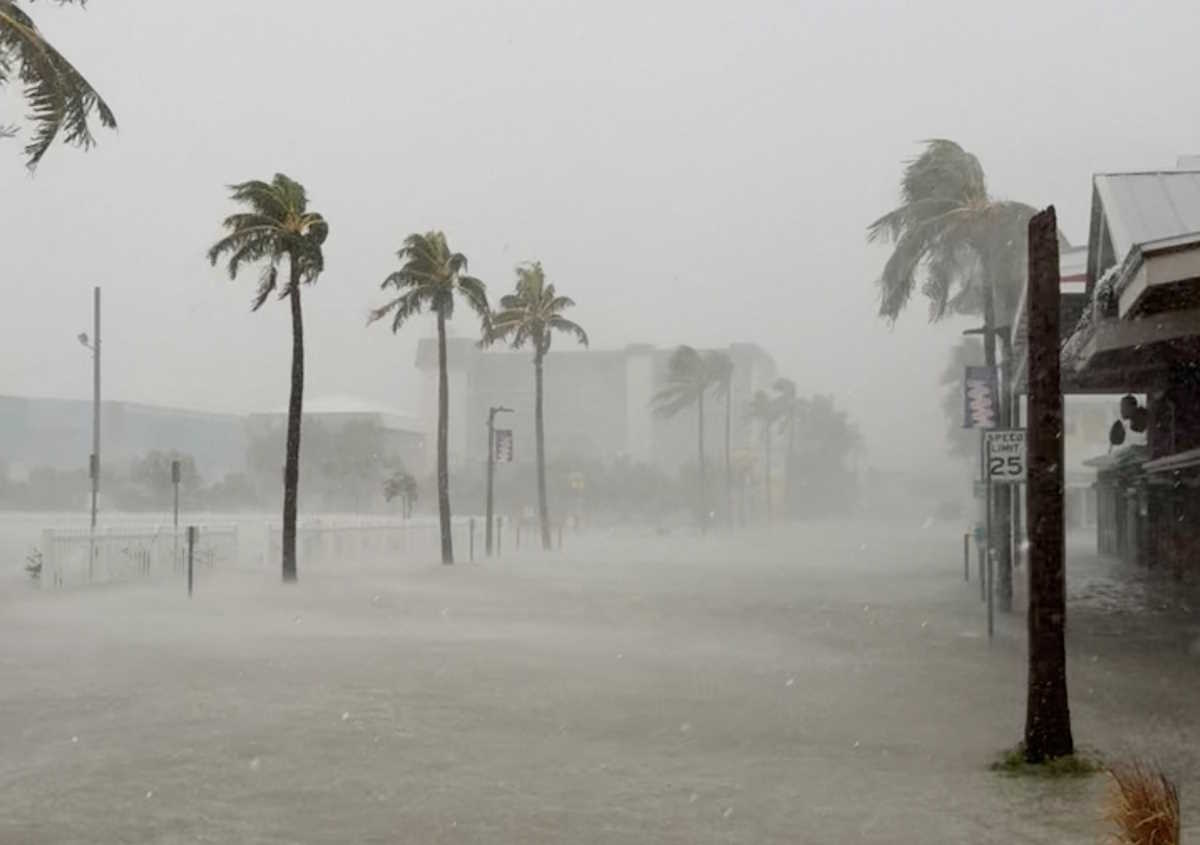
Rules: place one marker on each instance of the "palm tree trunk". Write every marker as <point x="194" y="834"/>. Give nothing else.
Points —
<point x="789" y="488"/>
<point x="1001" y="543"/>
<point x="291" y="465"/>
<point x="728" y="453"/>
<point x="700" y="448"/>
<point x="767" y="466"/>
<point x="540" y="434"/>
<point x="443" y="460"/>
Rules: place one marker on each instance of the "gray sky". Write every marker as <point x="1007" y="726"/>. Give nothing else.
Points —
<point x="687" y="171"/>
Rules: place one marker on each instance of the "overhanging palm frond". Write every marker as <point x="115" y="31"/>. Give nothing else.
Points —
<point x="61" y="100"/>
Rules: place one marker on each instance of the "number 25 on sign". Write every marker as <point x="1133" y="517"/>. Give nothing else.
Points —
<point x="1004" y="450"/>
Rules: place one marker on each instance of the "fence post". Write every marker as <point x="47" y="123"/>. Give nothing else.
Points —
<point x="967" y="557"/>
<point x="191" y="550"/>
<point x="979" y="549"/>
<point x="472" y="528"/>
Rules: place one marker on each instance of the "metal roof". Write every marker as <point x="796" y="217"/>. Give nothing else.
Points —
<point x="1143" y="207"/>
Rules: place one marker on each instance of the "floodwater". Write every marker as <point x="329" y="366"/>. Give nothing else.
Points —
<point x="825" y="683"/>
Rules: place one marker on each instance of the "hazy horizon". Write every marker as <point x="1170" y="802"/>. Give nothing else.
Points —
<point x="704" y="176"/>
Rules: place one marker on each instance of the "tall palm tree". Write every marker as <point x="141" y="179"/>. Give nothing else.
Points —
<point x="765" y="411"/>
<point x="971" y="250"/>
<point x="788" y="403"/>
<point x="60" y="99"/>
<point x="431" y="276"/>
<point x="720" y="369"/>
<point x="688" y="378"/>
<point x="275" y="227"/>
<point x="532" y="314"/>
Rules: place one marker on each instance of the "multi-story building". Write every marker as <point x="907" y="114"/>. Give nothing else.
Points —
<point x="597" y="402"/>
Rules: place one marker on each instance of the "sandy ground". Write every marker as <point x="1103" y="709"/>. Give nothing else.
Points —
<point x="823" y="684"/>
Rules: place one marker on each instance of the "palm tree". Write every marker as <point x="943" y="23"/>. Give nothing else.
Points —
<point x="60" y="99"/>
<point x="688" y="378"/>
<point x="533" y="313"/>
<point x="401" y="483"/>
<point x="431" y="276"/>
<point x="765" y="411"/>
<point x="276" y="226"/>
<point x="971" y="248"/>
<point x="720" y="368"/>
<point x="785" y="390"/>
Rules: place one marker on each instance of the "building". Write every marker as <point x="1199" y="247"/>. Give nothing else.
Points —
<point x="597" y="402"/>
<point x="1136" y="332"/>
<point x="57" y="433"/>
<point x="400" y="432"/>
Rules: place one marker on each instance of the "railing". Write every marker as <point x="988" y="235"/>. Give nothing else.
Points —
<point x="77" y="556"/>
<point x="334" y="544"/>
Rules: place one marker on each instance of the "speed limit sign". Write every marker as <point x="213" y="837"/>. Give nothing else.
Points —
<point x="1004" y="455"/>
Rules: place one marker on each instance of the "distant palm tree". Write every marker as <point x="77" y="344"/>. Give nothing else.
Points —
<point x="972" y="249"/>
<point x="431" y="276"/>
<point x="278" y="226"/>
<point x="688" y="378"/>
<point x="403" y="484"/>
<point x="720" y="368"/>
<point x="787" y="407"/>
<point x="765" y="411"/>
<point x="533" y="313"/>
<point x="60" y="98"/>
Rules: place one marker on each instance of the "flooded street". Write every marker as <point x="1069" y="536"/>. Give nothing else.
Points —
<point x="824" y="683"/>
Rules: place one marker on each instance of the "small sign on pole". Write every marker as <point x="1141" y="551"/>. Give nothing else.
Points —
<point x="1004" y="455"/>
<point x="504" y="445"/>
<point x="980" y="397"/>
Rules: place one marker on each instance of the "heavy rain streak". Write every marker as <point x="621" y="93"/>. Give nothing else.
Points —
<point x="563" y="421"/>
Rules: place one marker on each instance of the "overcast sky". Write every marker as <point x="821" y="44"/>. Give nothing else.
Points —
<point x="688" y="171"/>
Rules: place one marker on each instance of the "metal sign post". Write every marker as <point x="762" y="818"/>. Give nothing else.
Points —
<point x="175" y="476"/>
<point x="1004" y="460"/>
<point x="191" y="550"/>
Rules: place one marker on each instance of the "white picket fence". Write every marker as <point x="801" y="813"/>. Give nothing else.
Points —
<point x="332" y="544"/>
<point x="78" y="556"/>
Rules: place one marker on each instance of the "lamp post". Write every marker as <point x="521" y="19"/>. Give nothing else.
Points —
<point x="491" y="470"/>
<point x="94" y="459"/>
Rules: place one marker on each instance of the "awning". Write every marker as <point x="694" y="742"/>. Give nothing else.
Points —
<point x="1188" y="459"/>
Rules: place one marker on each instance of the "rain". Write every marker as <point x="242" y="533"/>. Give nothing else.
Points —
<point x="555" y="422"/>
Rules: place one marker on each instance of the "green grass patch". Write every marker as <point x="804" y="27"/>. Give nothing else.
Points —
<point x="1011" y="763"/>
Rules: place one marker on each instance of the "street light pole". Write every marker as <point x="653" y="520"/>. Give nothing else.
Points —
<point x="491" y="471"/>
<point x="95" y="463"/>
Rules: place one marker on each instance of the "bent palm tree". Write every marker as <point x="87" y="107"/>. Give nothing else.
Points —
<point x="971" y="249"/>
<point x="688" y="378"/>
<point x="431" y="276"/>
<point x="765" y="411"/>
<point x="720" y="368"/>
<point x="532" y="314"/>
<point x="278" y="226"/>
<point x="60" y="99"/>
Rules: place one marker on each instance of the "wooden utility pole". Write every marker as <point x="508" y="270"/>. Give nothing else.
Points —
<point x="1047" y="715"/>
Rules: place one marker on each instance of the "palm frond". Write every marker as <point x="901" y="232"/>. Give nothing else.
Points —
<point x="61" y="100"/>
<point x="562" y="324"/>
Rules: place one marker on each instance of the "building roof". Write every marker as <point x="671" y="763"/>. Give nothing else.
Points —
<point x="1149" y="206"/>
<point x="350" y="406"/>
